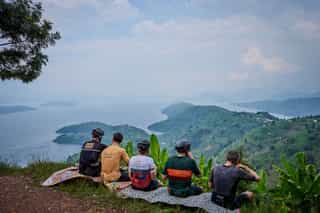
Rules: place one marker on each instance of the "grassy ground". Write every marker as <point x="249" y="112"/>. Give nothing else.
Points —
<point x="39" y="171"/>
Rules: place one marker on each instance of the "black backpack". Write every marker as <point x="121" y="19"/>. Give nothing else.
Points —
<point x="89" y="163"/>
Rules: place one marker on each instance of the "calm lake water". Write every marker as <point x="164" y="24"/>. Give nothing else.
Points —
<point x="28" y="136"/>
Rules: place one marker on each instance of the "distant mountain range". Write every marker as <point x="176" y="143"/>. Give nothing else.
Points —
<point x="79" y="133"/>
<point x="6" y="109"/>
<point x="212" y="131"/>
<point x="58" y="104"/>
<point x="290" y="107"/>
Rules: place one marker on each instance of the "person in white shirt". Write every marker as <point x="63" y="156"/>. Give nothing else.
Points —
<point x="142" y="170"/>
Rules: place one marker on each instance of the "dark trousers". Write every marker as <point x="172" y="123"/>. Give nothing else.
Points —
<point x="189" y="191"/>
<point x="124" y="176"/>
<point x="230" y="202"/>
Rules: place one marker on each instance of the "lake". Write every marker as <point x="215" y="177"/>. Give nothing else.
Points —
<point x="27" y="136"/>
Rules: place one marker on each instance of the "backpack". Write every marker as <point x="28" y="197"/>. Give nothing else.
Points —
<point x="140" y="179"/>
<point x="89" y="163"/>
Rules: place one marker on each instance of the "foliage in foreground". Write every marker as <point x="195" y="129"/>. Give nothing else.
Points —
<point x="297" y="189"/>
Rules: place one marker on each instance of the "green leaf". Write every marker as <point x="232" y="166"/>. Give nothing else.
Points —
<point x="155" y="148"/>
<point x="129" y="149"/>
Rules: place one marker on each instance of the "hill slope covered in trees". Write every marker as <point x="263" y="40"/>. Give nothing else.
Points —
<point x="209" y="128"/>
<point x="265" y="145"/>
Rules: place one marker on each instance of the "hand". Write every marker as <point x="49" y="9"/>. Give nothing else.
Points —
<point x="242" y="166"/>
<point x="189" y="154"/>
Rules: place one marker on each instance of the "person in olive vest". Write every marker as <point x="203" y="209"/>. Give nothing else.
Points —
<point x="90" y="163"/>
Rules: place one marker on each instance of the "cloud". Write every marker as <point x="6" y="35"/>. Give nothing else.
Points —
<point x="108" y="10"/>
<point x="238" y="76"/>
<point x="68" y="4"/>
<point x="254" y="56"/>
<point x="308" y="28"/>
<point x="194" y="28"/>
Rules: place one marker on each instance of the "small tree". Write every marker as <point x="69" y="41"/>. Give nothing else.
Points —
<point x="24" y="34"/>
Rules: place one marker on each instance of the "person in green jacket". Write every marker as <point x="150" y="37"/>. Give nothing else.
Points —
<point x="179" y="170"/>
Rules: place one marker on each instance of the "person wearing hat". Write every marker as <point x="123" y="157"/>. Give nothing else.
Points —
<point x="142" y="170"/>
<point x="89" y="163"/>
<point x="179" y="170"/>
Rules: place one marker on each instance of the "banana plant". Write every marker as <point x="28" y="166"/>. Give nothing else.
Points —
<point x="159" y="156"/>
<point x="299" y="185"/>
<point x="205" y="168"/>
<point x="129" y="148"/>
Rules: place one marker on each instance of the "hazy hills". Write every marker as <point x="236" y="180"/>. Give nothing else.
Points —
<point x="213" y="130"/>
<point x="6" y="109"/>
<point x="288" y="107"/>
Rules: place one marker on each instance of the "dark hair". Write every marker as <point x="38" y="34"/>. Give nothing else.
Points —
<point x="233" y="156"/>
<point x="143" y="151"/>
<point x="143" y="146"/>
<point x="117" y="137"/>
<point x="183" y="146"/>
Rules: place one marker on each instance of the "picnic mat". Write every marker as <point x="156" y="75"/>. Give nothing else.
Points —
<point x="67" y="174"/>
<point x="124" y="190"/>
<point x="161" y="195"/>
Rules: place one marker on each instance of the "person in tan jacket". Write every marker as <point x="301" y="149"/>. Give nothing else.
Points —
<point x="111" y="158"/>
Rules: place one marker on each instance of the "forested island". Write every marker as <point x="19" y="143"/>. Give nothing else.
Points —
<point x="79" y="133"/>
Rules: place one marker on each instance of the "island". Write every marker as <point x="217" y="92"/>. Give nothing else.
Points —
<point x="79" y="133"/>
<point x="7" y="109"/>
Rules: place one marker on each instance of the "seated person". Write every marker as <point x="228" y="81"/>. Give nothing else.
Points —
<point x="111" y="158"/>
<point x="142" y="170"/>
<point x="225" y="178"/>
<point x="179" y="170"/>
<point x="89" y="163"/>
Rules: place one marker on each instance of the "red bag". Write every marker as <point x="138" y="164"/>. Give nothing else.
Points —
<point x="140" y="179"/>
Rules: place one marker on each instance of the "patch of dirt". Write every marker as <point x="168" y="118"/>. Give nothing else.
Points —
<point x="18" y="194"/>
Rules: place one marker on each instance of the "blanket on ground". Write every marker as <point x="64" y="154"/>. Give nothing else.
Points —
<point x="67" y="174"/>
<point x="71" y="173"/>
<point x="161" y="195"/>
<point x="124" y="190"/>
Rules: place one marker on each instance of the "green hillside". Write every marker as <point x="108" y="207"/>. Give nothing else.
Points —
<point x="209" y="128"/>
<point x="265" y="145"/>
<point x="175" y="109"/>
<point x="77" y="134"/>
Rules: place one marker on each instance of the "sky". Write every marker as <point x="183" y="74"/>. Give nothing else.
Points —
<point x="178" y="49"/>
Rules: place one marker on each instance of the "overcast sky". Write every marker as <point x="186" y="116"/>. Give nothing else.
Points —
<point x="171" y="49"/>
